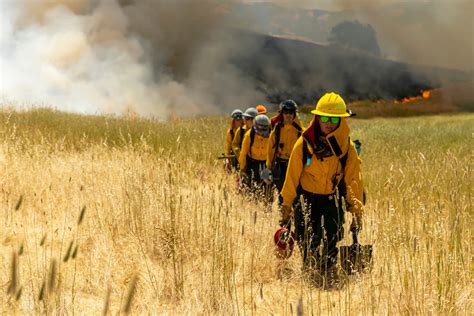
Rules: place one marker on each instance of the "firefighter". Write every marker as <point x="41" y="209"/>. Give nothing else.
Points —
<point x="261" y="109"/>
<point x="253" y="155"/>
<point x="323" y="161"/>
<point x="287" y="129"/>
<point x="235" y="124"/>
<point x="248" y="116"/>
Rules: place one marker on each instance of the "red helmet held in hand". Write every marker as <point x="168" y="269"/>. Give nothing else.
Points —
<point x="285" y="242"/>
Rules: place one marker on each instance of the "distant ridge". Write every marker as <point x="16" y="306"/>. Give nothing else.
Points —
<point x="287" y="68"/>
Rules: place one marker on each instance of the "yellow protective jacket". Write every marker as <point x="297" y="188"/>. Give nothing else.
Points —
<point x="257" y="152"/>
<point x="318" y="176"/>
<point x="238" y="140"/>
<point x="229" y="137"/>
<point x="289" y="134"/>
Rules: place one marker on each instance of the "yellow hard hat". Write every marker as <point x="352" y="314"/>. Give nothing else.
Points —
<point x="331" y="104"/>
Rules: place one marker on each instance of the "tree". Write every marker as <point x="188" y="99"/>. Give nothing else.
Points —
<point x="355" y="35"/>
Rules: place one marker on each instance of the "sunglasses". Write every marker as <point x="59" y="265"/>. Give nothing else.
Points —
<point x="325" y="119"/>
<point x="288" y="112"/>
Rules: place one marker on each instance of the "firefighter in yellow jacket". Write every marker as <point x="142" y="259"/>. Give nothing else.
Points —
<point x="236" y="123"/>
<point x="249" y="115"/>
<point x="286" y="131"/>
<point x="253" y="155"/>
<point x="323" y="162"/>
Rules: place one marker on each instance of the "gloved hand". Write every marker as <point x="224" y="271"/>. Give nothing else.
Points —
<point x="356" y="225"/>
<point x="267" y="176"/>
<point x="227" y="165"/>
<point x="285" y="215"/>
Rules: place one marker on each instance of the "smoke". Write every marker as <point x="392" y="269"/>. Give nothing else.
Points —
<point x="428" y="32"/>
<point x="149" y="57"/>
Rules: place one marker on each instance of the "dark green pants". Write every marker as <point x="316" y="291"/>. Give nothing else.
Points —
<point x="318" y="228"/>
<point x="279" y="173"/>
<point x="253" y="182"/>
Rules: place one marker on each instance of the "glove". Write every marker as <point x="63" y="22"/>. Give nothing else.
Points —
<point x="227" y="165"/>
<point x="356" y="225"/>
<point x="355" y="206"/>
<point x="267" y="176"/>
<point x="285" y="213"/>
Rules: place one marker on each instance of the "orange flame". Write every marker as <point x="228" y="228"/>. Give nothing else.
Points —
<point x="425" y="94"/>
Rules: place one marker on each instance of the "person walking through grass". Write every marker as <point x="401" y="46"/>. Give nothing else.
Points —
<point x="286" y="131"/>
<point x="249" y="115"/>
<point x="253" y="155"/>
<point x="231" y="160"/>
<point x="323" y="161"/>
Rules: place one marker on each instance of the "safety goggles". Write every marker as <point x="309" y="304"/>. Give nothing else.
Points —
<point x="288" y="112"/>
<point x="261" y="128"/>
<point x="334" y="120"/>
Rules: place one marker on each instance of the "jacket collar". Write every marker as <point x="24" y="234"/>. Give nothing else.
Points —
<point x="337" y="140"/>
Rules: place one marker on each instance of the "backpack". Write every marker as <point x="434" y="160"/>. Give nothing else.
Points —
<point x="252" y="139"/>
<point x="341" y="186"/>
<point x="278" y="131"/>
<point x="242" y="134"/>
<point x="277" y="136"/>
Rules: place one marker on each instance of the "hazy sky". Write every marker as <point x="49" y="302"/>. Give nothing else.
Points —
<point x="331" y="4"/>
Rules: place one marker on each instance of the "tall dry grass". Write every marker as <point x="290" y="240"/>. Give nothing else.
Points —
<point x="108" y="215"/>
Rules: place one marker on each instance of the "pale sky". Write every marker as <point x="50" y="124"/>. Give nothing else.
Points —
<point x="332" y="4"/>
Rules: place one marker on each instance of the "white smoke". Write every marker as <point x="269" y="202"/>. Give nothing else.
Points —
<point x="104" y="56"/>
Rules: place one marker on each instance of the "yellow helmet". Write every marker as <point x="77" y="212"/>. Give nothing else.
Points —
<point x="331" y="104"/>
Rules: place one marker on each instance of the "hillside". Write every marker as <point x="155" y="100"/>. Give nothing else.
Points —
<point x="284" y="68"/>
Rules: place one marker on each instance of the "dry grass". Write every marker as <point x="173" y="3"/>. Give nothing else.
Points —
<point x="109" y="215"/>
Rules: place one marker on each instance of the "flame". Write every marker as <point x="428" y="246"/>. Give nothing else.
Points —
<point x="425" y="95"/>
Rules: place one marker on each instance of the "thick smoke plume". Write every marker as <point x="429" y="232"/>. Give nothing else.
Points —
<point x="150" y="57"/>
<point x="435" y="32"/>
<point x="160" y="57"/>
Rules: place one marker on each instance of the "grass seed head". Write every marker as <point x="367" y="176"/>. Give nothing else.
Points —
<point x="130" y="294"/>
<point x="68" y="252"/>
<point x="52" y="275"/>
<point x="19" y="203"/>
<point x="13" y="275"/>
<point x="81" y="215"/>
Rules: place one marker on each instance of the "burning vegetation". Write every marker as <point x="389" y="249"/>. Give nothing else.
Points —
<point x="424" y="95"/>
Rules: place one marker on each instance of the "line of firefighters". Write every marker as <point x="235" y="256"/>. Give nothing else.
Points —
<point x="316" y="171"/>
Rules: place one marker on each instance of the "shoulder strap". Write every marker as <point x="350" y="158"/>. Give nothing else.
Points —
<point x="242" y="133"/>
<point x="298" y="128"/>
<point x="278" y="131"/>
<point x="232" y="133"/>
<point x="277" y="135"/>
<point x="252" y="137"/>
<point x="343" y="159"/>
<point x="305" y="155"/>
<point x="342" y="185"/>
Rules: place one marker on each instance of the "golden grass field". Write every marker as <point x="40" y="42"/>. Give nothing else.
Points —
<point x="116" y="215"/>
